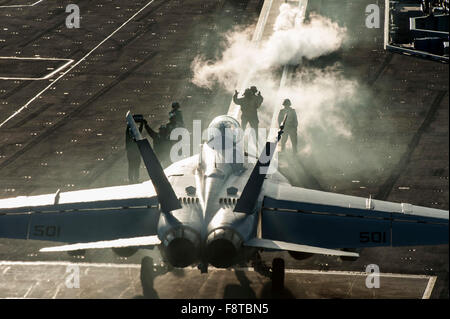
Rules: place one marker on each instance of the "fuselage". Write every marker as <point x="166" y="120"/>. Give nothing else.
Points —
<point x="206" y="229"/>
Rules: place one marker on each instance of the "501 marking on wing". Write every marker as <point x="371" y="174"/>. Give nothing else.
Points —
<point x="46" y="230"/>
<point x="372" y="237"/>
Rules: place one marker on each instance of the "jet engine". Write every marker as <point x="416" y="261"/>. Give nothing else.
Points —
<point x="181" y="246"/>
<point x="222" y="247"/>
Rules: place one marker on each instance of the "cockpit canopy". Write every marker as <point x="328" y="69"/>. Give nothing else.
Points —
<point x="224" y="132"/>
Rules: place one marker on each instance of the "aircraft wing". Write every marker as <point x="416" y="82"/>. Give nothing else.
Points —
<point x="93" y="215"/>
<point x="308" y="217"/>
<point x="279" y="245"/>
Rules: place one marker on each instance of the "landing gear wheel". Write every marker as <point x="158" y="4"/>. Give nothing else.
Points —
<point x="147" y="276"/>
<point x="277" y="275"/>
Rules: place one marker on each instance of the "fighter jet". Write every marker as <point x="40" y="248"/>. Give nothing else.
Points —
<point x="205" y="210"/>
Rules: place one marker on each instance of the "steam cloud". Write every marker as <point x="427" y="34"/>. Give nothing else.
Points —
<point x="290" y="42"/>
<point x="315" y="93"/>
<point x="326" y="102"/>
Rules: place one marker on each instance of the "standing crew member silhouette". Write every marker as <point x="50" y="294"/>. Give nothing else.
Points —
<point x="290" y="129"/>
<point x="249" y="103"/>
<point x="161" y="142"/>
<point x="176" y="113"/>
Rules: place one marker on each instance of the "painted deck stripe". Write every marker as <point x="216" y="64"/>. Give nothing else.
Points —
<point x="75" y="64"/>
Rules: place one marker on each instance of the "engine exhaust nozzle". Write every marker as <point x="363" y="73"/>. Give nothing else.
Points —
<point x="181" y="246"/>
<point x="222" y="247"/>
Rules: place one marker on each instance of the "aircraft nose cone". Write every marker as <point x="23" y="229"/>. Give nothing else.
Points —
<point x="222" y="247"/>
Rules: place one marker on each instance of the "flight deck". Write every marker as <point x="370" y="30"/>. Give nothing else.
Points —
<point x="51" y="280"/>
<point x="64" y="94"/>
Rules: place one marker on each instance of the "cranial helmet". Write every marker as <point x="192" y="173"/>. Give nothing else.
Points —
<point x="287" y="102"/>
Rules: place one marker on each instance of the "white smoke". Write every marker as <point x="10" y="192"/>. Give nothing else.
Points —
<point x="330" y="106"/>
<point x="290" y="42"/>
<point x="321" y="97"/>
<point x="288" y="18"/>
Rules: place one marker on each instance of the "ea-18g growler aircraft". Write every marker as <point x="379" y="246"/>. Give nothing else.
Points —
<point x="204" y="210"/>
